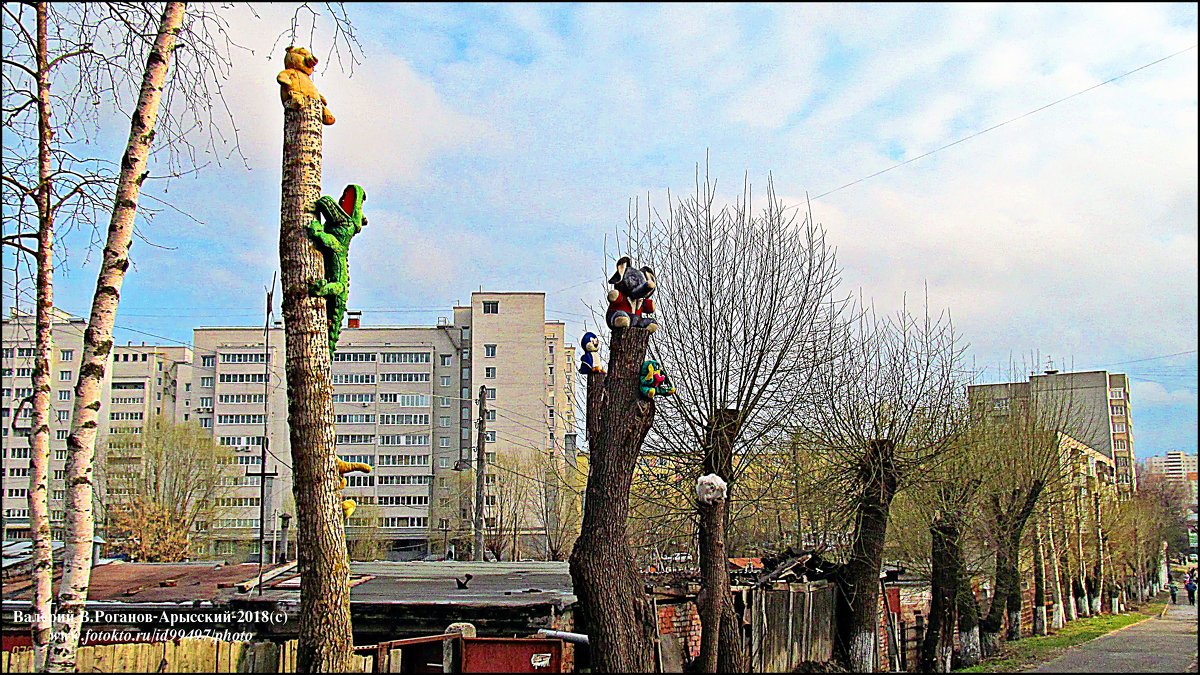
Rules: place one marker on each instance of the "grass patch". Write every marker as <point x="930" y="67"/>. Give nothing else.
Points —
<point x="1028" y="652"/>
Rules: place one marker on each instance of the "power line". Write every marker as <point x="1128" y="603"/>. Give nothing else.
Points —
<point x="1009" y="121"/>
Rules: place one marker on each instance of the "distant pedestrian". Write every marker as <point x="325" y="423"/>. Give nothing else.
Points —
<point x="1174" y="593"/>
<point x="1190" y="586"/>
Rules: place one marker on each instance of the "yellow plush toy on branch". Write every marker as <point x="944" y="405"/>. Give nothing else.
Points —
<point x="295" y="81"/>
<point x="344" y="468"/>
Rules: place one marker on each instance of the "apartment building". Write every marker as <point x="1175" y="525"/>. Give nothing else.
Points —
<point x="18" y="338"/>
<point x="525" y="365"/>
<point x="1175" y="465"/>
<point x="1094" y="406"/>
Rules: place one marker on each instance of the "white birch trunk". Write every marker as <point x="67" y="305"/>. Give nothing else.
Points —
<point x="39" y="439"/>
<point x="97" y="346"/>
<point x="971" y="651"/>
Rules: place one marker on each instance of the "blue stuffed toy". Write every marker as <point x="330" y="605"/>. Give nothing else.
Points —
<point x="587" y="362"/>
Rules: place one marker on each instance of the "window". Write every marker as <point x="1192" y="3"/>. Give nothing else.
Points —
<point x="550" y="411"/>
<point x="444" y="401"/>
<point x="1117" y="409"/>
<point x="160" y="366"/>
<point x="489" y="436"/>
<point x="490" y="457"/>
<point x="187" y="386"/>
<point x="489" y="373"/>
<point x="258" y="357"/>
<point x="404" y="521"/>
<point x="18" y="471"/>
<point x="1118" y="427"/>
<point x="466" y="434"/>
<point x="207" y="401"/>
<point x="1116" y="393"/>
<point x="403" y="460"/>
<point x="208" y="361"/>
<point x="491" y="393"/>
<point x="422" y="420"/>
<point x="406" y="400"/>
<point x="491" y="306"/>
<point x="126" y="416"/>
<point x="489" y="351"/>
<point x="206" y="382"/>
<point x="404" y="500"/>
<point x="235" y="419"/>
<point x="404" y="377"/>
<point x="64" y="376"/>
<point x="352" y="398"/>
<point x="64" y="395"/>
<point x="354" y="439"/>
<point x="447" y="360"/>
<point x="444" y="442"/>
<point x="62" y="415"/>
<point x="20" y="453"/>
<point x="443" y="523"/>
<point x="251" y="377"/>
<point x="354" y="378"/>
<point x="143" y="358"/>
<point x="489" y="522"/>
<point x="444" y="421"/>
<point x="404" y="480"/>
<point x="67" y="355"/>
<point x="444" y="380"/>
<point x="354" y="357"/>
<point x="205" y="422"/>
<point x="359" y="480"/>
<point x="354" y="418"/>
<point x="489" y="479"/>
<point x="466" y="353"/>
<point x="1119" y="444"/>
<point x="406" y="357"/>
<point x="62" y="435"/>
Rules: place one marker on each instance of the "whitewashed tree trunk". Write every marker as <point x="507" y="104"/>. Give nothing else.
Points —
<point x="39" y="438"/>
<point x="97" y="347"/>
<point x="1056" y="616"/>
<point x="971" y="651"/>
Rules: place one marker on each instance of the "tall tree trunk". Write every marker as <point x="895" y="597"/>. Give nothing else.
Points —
<point x="1095" y="598"/>
<point x="718" y="459"/>
<point x="1080" y="582"/>
<point x="937" y="649"/>
<point x="1015" y="598"/>
<point x="97" y="347"/>
<point x="1039" y="581"/>
<point x="39" y="438"/>
<point x="715" y="580"/>
<point x="993" y="624"/>
<point x="325" y="632"/>
<point x="857" y="613"/>
<point x="971" y="650"/>
<point x="1056" y="616"/>
<point x="612" y="598"/>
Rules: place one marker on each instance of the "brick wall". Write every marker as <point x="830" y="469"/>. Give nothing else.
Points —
<point x="566" y="622"/>
<point x="681" y="619"/>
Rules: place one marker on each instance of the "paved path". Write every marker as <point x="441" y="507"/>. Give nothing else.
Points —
<point x="1166" y="645"/>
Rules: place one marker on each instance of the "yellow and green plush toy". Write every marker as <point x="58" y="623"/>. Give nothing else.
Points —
<point x="654" y="381"/>
<point x="344" y="468"/>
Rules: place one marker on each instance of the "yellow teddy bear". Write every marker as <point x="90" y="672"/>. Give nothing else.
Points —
<point x="344" y="468"/>
<point x="295" y="81"/>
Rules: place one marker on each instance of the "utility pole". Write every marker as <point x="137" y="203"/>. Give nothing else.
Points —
<point x="480" y="465"/>
<point x="262" y="467"/>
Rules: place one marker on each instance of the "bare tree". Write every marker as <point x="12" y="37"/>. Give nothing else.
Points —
<point x="886" y="400"/>
<point x="1026" y="436"/>
<point x="162" y="489"/>
<point x="743" y="292"/>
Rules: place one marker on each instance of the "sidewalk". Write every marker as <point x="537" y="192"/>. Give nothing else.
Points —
<point x="1166" y="645"/>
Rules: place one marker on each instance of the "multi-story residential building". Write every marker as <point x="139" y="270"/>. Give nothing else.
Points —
<point x="19" y="347"/>
<point x="1094" y="406"/>
<point x="525" y="365"/>
<point x="1175" y="465"/>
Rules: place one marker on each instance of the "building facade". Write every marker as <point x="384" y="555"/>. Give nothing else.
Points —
<point x="19" y="345"/>
<point x="1175" y="465"/>
<point x="1092" y="406"/>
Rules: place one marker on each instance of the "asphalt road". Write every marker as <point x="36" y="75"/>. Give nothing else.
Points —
<point x="1166" y="645"/>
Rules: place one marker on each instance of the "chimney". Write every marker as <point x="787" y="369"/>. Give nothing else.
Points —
<point x="353" y="318"/>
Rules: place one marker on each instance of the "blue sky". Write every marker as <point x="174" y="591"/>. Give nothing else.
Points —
<point x="500" y="145"/>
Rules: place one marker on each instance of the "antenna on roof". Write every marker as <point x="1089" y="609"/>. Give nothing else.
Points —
<point x="1050" y="370"/>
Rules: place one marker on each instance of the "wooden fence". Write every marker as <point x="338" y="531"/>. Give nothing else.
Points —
<point x="791" y="624"/>
<point x="185" y="655"/>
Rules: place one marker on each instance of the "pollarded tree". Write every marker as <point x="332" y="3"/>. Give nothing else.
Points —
<point x="1027" y="438"/>
<point x="743" y="291"/>
<point x="887" y="399"/>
